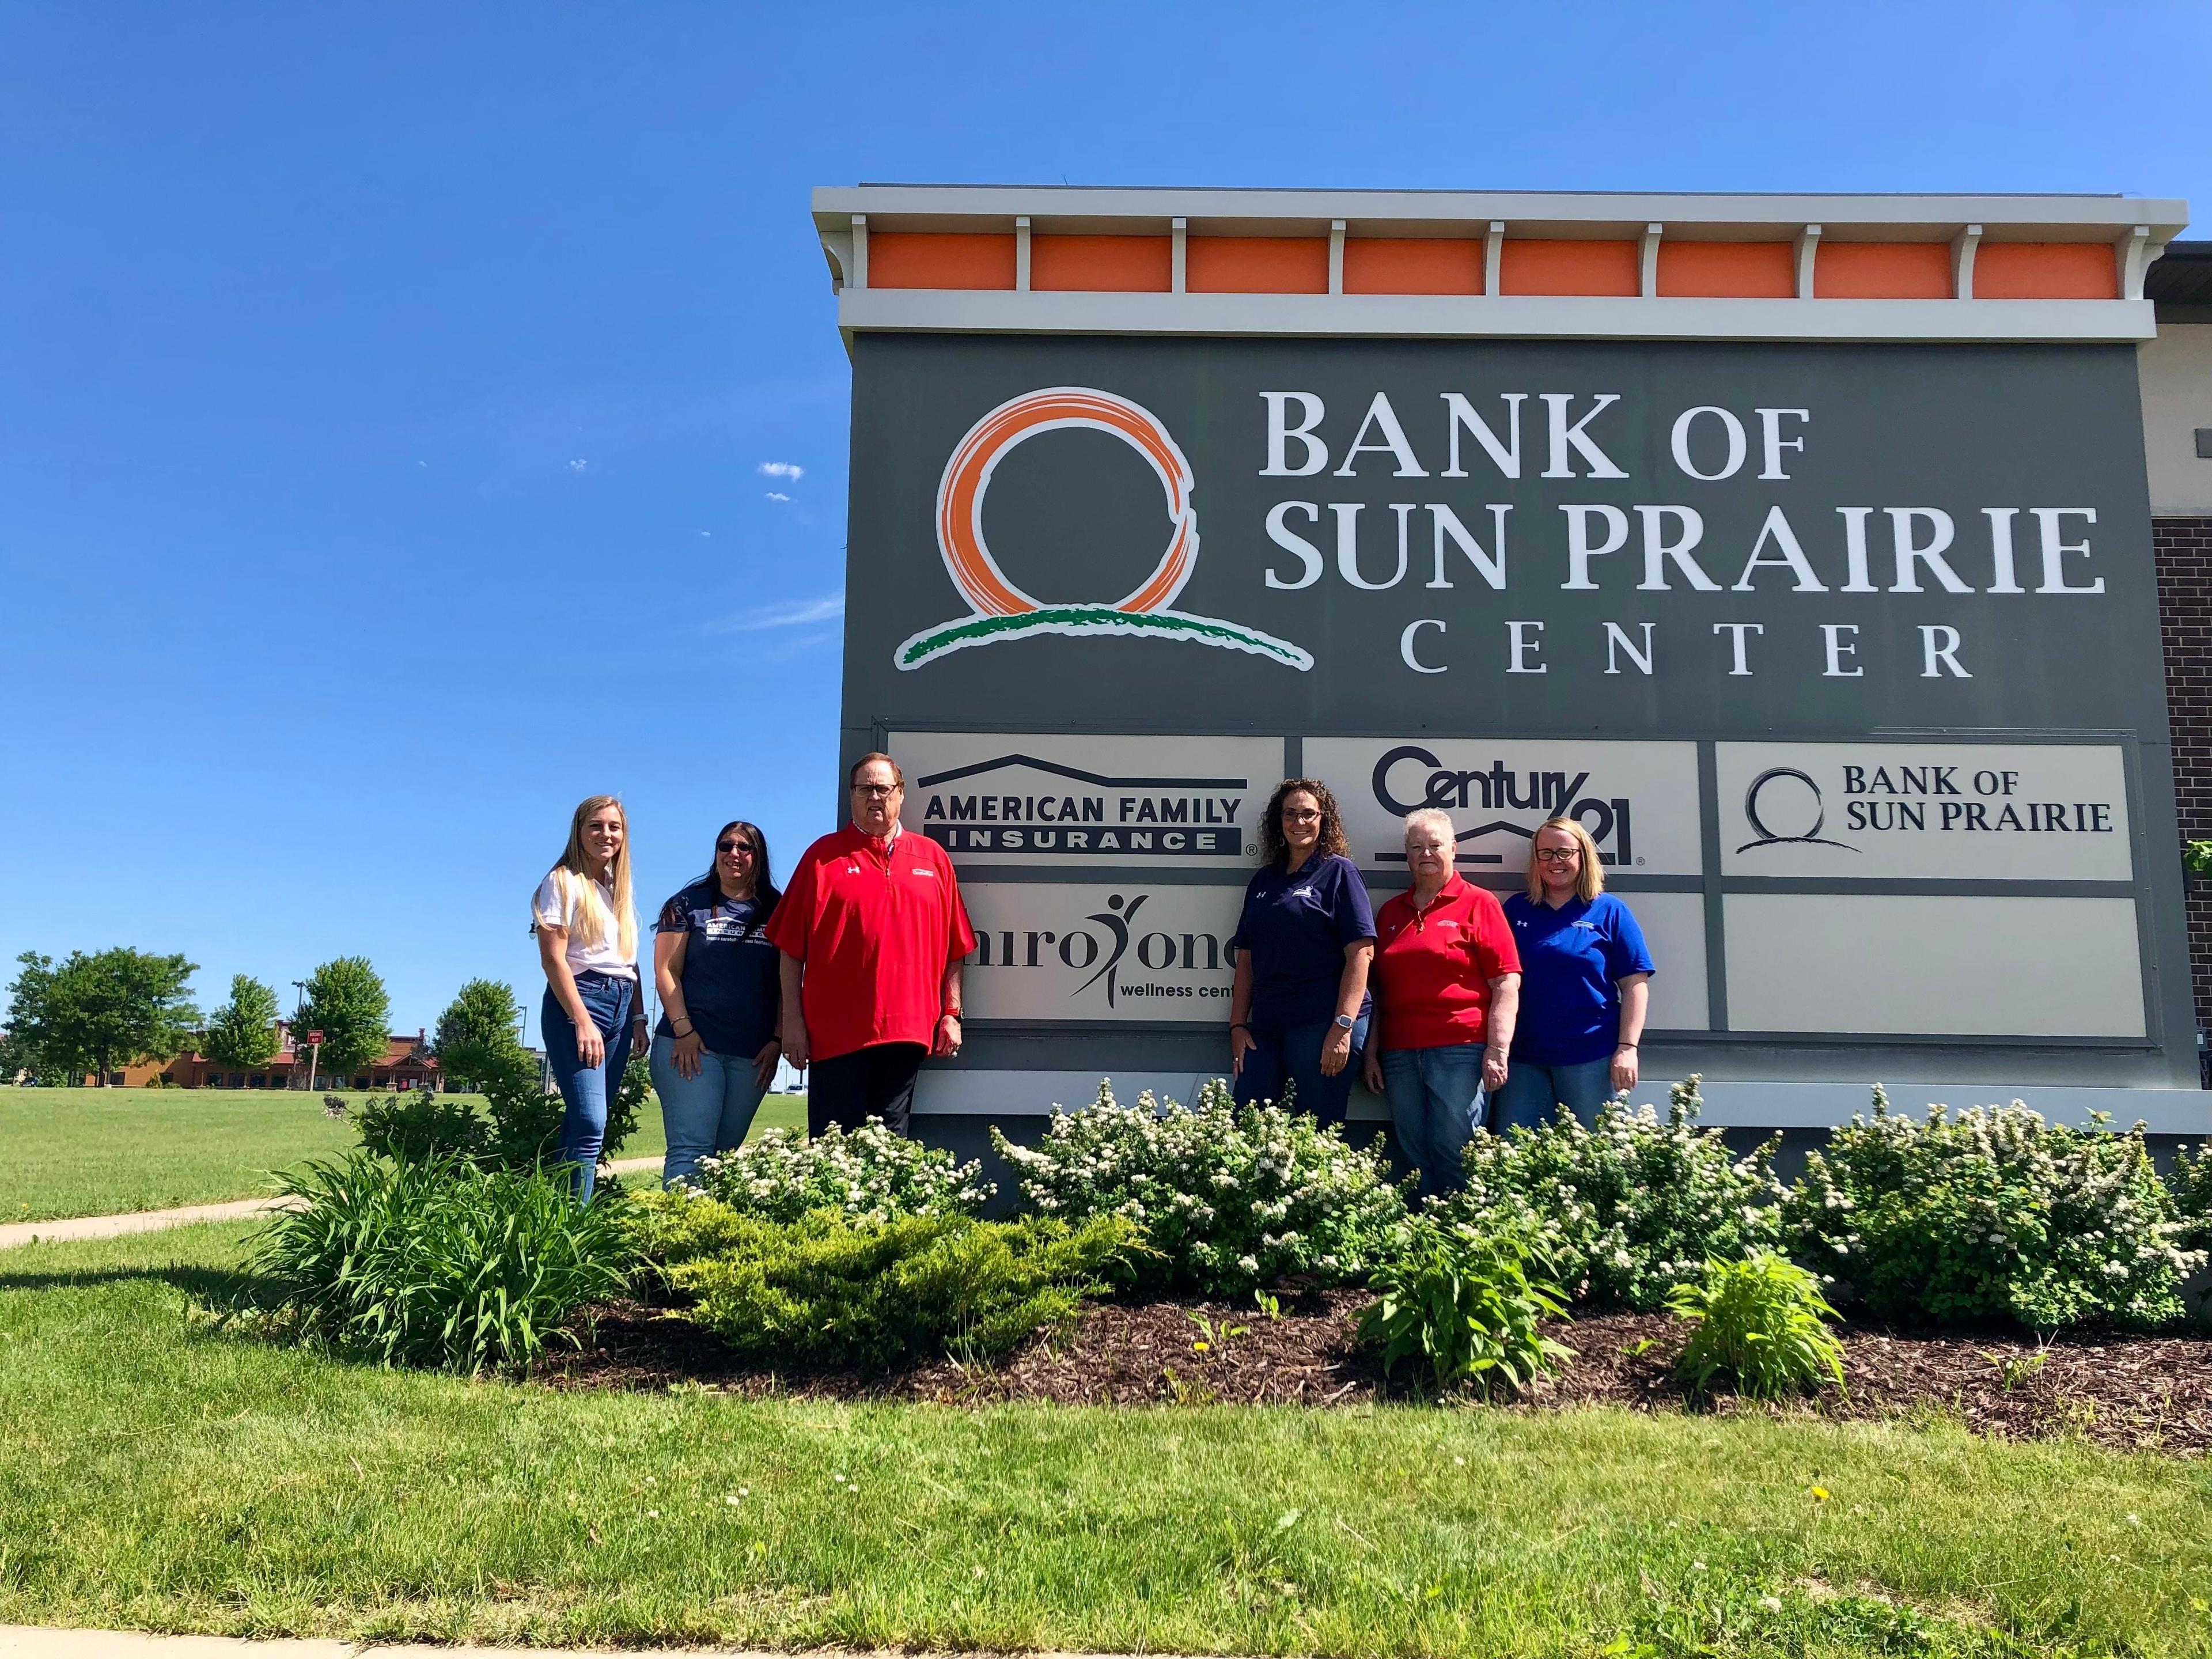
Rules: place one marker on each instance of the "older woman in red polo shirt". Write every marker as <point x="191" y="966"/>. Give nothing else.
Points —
<point x="1447" y="984"/>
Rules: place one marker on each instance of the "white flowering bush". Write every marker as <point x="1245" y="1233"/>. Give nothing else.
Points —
<point x="1993" y="1214"/>
<point x="1230" y="1199"/>
<point x="869" y="1174"/>
<point x="1625" y="1210"/>
<point x="2191" y="1186"/>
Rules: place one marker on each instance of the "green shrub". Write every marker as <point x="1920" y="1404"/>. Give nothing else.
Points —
<point x="2190" y="1183"/>
<point x="437" y="1263"/>
<point x="1461" y="1300"/>
<point x="1993" y="1215"/>
<point x="1628" y="1209"/>
<point x="869" y="1174"/>
<point x="1759" y="1320"/>
<point x="1230" y="1199"/>
<point x="827" y="1290"/>
<point x="418" y="1125"/>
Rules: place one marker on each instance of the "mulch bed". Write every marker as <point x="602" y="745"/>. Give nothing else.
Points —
<point x="2139" y="1392"/>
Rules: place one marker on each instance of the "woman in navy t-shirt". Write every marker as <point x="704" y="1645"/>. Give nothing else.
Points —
<point x="1298" y="1009"/>
<point x="1585" y="981"/>
<point x="715" y="1051"/>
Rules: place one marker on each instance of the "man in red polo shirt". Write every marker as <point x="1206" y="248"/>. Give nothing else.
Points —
<point x="873" y="934"/>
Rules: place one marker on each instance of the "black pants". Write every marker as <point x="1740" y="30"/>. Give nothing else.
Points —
<point x="877" y="1081"/>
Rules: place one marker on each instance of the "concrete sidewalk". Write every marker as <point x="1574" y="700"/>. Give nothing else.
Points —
<point x="27" y="1642"/>
<point x="154" y="1221"/>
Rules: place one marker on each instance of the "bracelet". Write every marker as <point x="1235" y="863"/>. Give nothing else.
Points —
<point x="953" y="1014"/>
<point x="686" y="1021"/>
<point x="1618" y="1046"/>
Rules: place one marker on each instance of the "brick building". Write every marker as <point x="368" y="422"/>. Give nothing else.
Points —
<point x="2176" y="370"/>
<point x="406" y="1063"/>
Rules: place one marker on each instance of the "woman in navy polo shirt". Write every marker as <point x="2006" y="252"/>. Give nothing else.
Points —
<point x="715" y="1052"/>
<point x="1585" y="981"/>
<point x="1299" y="1008"/>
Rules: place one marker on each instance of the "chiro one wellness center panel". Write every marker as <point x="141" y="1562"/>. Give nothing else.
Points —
<point x="1830" y="612"/>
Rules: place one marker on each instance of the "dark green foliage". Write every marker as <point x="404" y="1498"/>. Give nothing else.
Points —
<point x="1993" y="1215"/>
<point x="345" y="1001"/>
<point x="479" y="1027"/>
<point x="437" y="1264"/>
<point x="243" y="1031"/>
<point x="2190" y="1183"/>
<point x="98" y="1012"/>
<point x="421" y="1126"/>
<point x="1462" y="1301"/>
<point x="822" y="1291"/>
<point x="1759" y="1320"/>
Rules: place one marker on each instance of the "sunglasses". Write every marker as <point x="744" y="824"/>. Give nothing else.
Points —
<point x="733" y="845"/>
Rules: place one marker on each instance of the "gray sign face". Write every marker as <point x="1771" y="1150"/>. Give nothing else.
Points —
<point x="1537" y="538"/>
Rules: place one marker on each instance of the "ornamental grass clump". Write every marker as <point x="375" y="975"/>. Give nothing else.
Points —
<point x="873" y="1292"/>
<point x="1229" y="1198"/>
<point x="1993" y="1215"/>
<point x="1463" y="1303"/>
<point x="1761" y="1321"/>
<point x="866" y="1173"/>
<point x="1629" y="1208"/>
<point x="436" y="1262"/>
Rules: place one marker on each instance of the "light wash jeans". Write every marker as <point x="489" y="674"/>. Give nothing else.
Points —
<point x="1437" y="1103"/>
<point x="707" y="1114"/>
<point x="1530" y="1091"/>
<point x="609" y="999"/>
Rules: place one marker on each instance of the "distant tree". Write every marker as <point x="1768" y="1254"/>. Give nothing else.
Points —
<point x="481" y="1018"/>
<point x="243" y="1031"/>
<point x="347" y="1003"/>
<point x="98" y="1012"/>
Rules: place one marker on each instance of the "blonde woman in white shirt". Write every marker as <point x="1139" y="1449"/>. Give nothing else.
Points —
<point x="587" y="939"/>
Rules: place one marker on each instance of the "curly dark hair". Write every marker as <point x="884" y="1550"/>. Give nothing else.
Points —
<point x="1273" y="849"/>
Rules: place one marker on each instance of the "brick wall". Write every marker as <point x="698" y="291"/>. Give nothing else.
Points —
<point x="2183" y="550"/>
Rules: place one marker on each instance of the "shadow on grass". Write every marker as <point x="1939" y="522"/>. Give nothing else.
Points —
<point x="214" y="1286"/>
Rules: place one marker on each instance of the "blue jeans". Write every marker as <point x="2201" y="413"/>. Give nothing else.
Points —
<point x="609" y="999"/>
<point x="1293" y="1056"/>
<point x="1437" y="1103"/>
<point x="1526" y="1100"/>
<point x="707" y="1114"/>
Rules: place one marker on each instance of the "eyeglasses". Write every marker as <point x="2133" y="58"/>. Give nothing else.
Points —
<point x="875" y="789"/>
<point x="1557" y="854"/>
<point x="733" y="845"/>
<point x="1290" y="817"/>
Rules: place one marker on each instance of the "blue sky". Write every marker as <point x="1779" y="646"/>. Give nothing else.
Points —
<point x="385" y="391"/>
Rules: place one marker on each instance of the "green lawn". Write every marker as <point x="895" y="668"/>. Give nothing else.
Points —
<point x="103" y="1152"/>
<point x="156" y="1476"/>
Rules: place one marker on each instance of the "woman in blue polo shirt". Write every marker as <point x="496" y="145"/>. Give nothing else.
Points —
<point x="1299" y="1008"/>
<point x="715" y="1052"/>
<point x="1585" y="982"/>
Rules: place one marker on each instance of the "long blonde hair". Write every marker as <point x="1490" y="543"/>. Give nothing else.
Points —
<point x="1589" y="880"/>
<point x="573" y="869"/>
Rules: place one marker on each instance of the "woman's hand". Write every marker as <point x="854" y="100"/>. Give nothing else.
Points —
<point x="1371" y="1071"/>
<point x="1240" y="1044"/>
<point x="794" y="1039"/>
<point x="948" y="1036"/>
<point x="1336" y="1050"/>
<point x="686" y="1053"/>
<point x="591" y="1047"/>
<point x="1624" y="1068"/>
<point x="764" y="1063"/>
<point x="1493" y="1069"/>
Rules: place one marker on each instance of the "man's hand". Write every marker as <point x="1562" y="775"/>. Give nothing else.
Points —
<point x="794" y="1042"/>
<point x="764" y="1063"/>
<point x="948" y="1036"/>
<point x="1493" y="1069"/>
<point x="1371" y="1071"/>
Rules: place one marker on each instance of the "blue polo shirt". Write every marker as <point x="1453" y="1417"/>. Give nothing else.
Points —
<point x="1296" y="924"/>
<point x="1571" y="960"/>
<point x="731" y="990"/>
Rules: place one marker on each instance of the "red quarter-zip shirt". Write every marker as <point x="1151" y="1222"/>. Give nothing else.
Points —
<point x="875" y="921"/>
<point x="1433" y="967"/>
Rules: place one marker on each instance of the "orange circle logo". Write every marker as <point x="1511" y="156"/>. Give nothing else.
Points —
<point x="1001" y="609"/>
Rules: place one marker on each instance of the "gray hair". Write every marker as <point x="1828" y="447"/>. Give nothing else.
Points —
<point x="1431" y="815"/>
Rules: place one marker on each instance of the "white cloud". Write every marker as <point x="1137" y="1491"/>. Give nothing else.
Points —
<point x="777" y="496"/>
<point x="797" y="613"/>
<point x="782" y="469"/>
<point x="578" y="467"/>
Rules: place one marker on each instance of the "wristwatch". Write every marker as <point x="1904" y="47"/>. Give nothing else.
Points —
<point x="1345" y="1022"/>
